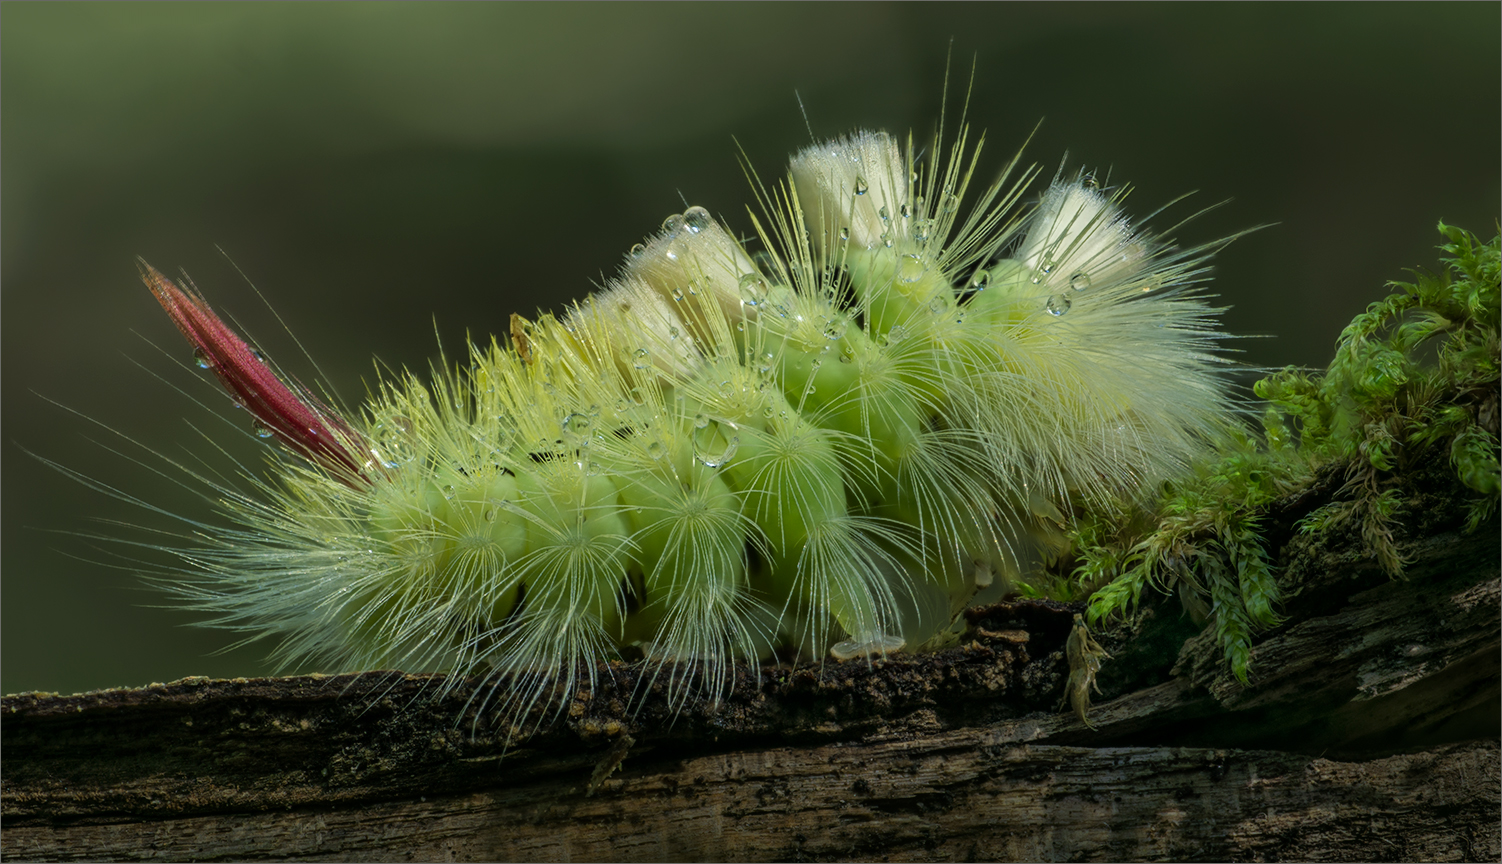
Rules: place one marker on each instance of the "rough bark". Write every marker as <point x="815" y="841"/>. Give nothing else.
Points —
<point x="1369" y="732"/>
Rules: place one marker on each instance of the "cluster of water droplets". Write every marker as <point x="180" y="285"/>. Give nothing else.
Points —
<point x="392" y="441"/>
<point x="1058" y="303"/>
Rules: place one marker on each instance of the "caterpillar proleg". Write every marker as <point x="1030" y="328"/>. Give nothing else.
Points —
<point x="825" y="449"/>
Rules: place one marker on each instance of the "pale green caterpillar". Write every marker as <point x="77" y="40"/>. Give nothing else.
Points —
<point x="825" y="449"/>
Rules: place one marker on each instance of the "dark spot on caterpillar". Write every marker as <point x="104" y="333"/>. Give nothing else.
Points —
<point x="632" y="591"/>
<point x="965" y="291"/>
<point x="624" y="433"/>
<point x="504" y="470"/>
<point x="519" y="605"/>
<point x="545" y="456"/>
<point x="754" y="560"/>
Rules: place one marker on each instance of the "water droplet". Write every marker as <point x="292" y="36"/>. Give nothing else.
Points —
<point x="845" y="232"/>
<point x="885" y="216"/>
<point x="261" y="430"/>
<point x="1089" y="182"/>
<point x="402" y="424"/>
<point x="1058" y="304"/>
<point x="951" y="203"/>
<point x="768" y="411"/>
<point x="696" y="219"/>
<point x="700" y="421"/>
<point x="906" y="211"/>
<point x="593" y="469"/>
<point x="833" y="330"/>
<point x="980" y="280"/>
<point x="201" y="357"/>
<point x="671" y="224"/>
<point x="1079" y="281"/>
<point x="910" y="268"/>
<point x="861" y="185"/>
<point x="256" y="353"/>
<point x="678" y="295"/>
<point x="448" y="491"/>
<point x="937" y="306"/>
<point x="640" y="356"/>
<point x="715" y="461"/>
<point x="638" y="250"/>
<point x="740" y="326"/>
<point x="920" y="229"/>
<point x="672" y="332"/>
<point x="752" y="282"/>
<point x="489" y="514"/>
<point x="576" y="424"/>
<point x="896" y="334"/>
<point x="1047" y="266"/>
<point x="656" y="450"/>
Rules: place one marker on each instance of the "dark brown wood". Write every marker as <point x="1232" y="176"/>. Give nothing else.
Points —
<point x="1369" y="731"/>
<point x="951" y="796"/>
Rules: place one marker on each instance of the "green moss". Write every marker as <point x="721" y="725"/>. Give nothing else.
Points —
<point x="1414" y="376"/>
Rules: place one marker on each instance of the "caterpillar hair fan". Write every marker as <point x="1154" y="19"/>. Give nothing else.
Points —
<point x="823" y="450"/>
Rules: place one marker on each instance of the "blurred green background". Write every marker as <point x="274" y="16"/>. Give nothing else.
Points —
<point x="379" y="171"/>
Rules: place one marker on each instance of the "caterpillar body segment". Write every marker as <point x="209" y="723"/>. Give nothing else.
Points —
<point x="827" y="449"/>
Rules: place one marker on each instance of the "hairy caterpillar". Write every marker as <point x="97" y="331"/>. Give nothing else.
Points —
<point x="827" y="448"/>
